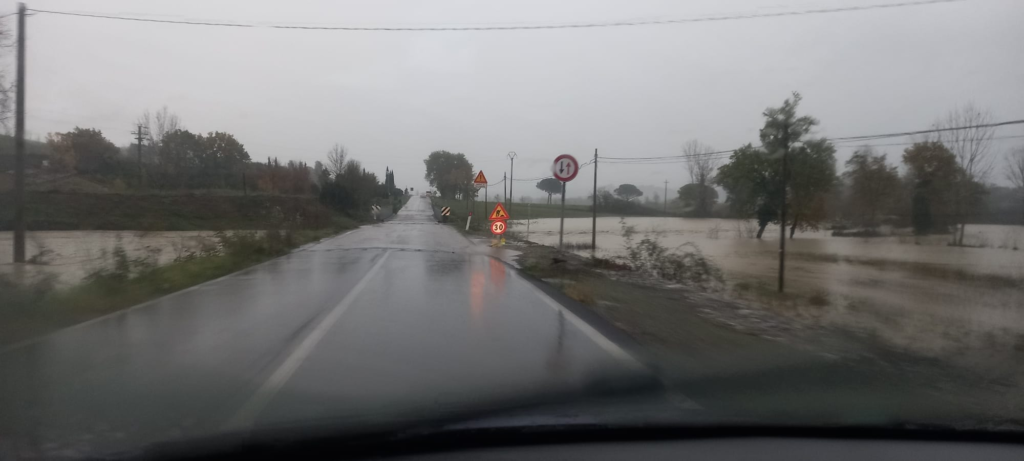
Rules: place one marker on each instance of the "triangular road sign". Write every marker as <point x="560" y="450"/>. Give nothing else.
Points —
<point x="480" y="178"/>
<point x="499" y="212"/>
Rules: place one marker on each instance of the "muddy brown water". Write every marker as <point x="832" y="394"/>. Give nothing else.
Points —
<point x="915" y="292"/>
<point x="69" y="256"/>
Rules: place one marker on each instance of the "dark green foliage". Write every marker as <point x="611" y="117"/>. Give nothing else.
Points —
<point x="550" y="186"/>
<point x="628" y="192"/>
<point x="451" y="174"/>
<point x="693" y="194"/>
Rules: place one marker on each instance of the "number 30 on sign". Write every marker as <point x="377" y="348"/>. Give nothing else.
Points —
<point x="498" y="227"/>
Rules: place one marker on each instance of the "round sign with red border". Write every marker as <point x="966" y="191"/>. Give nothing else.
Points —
<point x="565" y="168"/>
<point x="498" y="227"/>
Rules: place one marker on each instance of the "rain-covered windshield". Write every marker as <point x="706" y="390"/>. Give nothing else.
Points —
<point x="246" y="215"/>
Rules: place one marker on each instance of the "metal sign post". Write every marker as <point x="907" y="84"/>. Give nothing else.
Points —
<point x="564" y="170"/>
<point x="561" y="220"/>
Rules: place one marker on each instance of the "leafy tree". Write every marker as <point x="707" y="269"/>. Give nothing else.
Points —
<point x="812" y="175"/>
<point x="222" y="160"/>
<point x="932" y="173"/>
<point x="753" y="176"/>
<point x="85" y="150"/>
<point x="874" y="184"/>
<point x="352" y="191"/>
<point x="752" y="182"/>
<point x="181" y="153"/>
<point x="550" y="186"/>
<point x="628" y="192"/>
<point x="1015" y="172"/>
<point x="451" y="174"/>
<point x="692" y="196"/>
<point x="62" y="153"/>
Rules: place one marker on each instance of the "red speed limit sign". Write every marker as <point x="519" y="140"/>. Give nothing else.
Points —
<point x="565" y="168"/>
<point x="498" y="227"/>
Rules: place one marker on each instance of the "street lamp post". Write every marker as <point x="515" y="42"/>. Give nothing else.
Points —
<point x="511" y="175"/>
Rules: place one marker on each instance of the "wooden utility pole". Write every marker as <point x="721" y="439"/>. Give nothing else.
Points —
<point x="593" y="224"/>
<point x="19" y="144"/>
<point x="782" y="213"/>
<point x="511" y="177"/>
<point x="138" y="137"/>
<point x="665" y="197"/>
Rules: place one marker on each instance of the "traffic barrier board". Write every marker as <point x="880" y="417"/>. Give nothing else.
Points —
<point x="446" y="211"/>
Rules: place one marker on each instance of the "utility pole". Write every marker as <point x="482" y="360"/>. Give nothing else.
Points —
<point x="511" y="176"/>
<point x="138" y="137"/>
<point x="665" y="197"/>
<point x="782" y="214"/>
<point x="593" y="225"/>
<point x="19" y="144"/>
<point x="504" y="181"/>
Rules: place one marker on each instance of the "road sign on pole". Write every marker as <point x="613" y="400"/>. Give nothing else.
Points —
<point x="498" y="227"/>
<point x="480" y="180"/>
<point x="565" y="168"/>
<point x="499" y="213"/>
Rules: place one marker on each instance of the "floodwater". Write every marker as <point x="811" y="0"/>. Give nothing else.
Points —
<point x="917" y="292"/>
<point x="70" y="256"/>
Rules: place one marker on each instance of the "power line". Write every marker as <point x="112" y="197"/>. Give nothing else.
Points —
<point x="848" y="141"/>
<point x="853" y="144"/>
<point x="934" y="130"/>
<point x="591" y="25"/>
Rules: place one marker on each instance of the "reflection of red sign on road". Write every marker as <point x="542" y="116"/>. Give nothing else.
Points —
<point x="499" y="212"/>
<point x="498" y="227"/>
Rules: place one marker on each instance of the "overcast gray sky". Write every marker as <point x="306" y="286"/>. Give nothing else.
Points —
<point x="393" y="97"/>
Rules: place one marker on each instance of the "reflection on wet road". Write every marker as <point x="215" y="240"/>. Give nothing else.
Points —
<point x="391" y="320"/>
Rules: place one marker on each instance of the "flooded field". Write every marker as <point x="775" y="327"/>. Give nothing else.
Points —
<point x="916" y="292"/>
<point x="70" y="256"/>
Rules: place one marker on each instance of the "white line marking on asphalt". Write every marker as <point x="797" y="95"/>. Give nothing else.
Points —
<point x="259" y="400"/>
<point x="675" y="397"/>
<point x="589" y="331"/>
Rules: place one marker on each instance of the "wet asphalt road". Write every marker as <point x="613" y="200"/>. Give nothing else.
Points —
<point x="390" y="320"/>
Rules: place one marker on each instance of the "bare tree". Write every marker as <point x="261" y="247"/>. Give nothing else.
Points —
<point x="701" y="164"/>
<point x="159" y="125"/>
<point x="970" y="140"/>
<point x="336" y="159"/>
<point x="6" y="91"/>
<point x="1015" y="171"/>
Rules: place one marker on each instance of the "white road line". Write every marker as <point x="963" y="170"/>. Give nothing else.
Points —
<point x="247" y="414"/>
<point x="595" y="336"/>
<point x="677" y="398"/>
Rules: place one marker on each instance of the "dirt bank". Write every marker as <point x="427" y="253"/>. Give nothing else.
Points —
<point x="82" y="211"/>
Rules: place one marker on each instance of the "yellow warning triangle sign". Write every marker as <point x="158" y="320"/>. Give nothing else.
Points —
<point x="499" y="212"/>
<point x="480" y="178"/>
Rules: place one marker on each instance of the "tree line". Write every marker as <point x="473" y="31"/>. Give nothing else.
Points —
<point x="174" y="158"/>
<point x="941" y="190"/>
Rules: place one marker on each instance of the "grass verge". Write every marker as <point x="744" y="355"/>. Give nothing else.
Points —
<point x="36" y="309"/>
